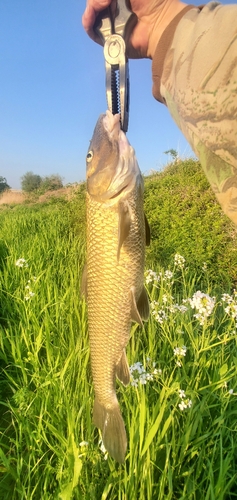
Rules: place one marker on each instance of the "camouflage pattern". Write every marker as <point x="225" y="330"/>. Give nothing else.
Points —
<point x="199" y="86"/>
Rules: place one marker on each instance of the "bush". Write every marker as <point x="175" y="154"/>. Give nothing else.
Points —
<point x="186" y="218"/>
<point x="30" y="182"/>
<point x="51" y="183"/>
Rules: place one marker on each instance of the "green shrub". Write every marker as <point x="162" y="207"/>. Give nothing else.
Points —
<point x="186" y="218"/>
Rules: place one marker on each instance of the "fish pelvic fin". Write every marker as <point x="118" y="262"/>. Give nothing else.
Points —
<point x="113" y="430"/>
<point x="122" y="369"/>
<point x="143" y="305"/>
<point x="135" y="315"/>
<point x="140" y="310"/>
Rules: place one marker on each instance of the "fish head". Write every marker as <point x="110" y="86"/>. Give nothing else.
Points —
<point x="112" y="168"/>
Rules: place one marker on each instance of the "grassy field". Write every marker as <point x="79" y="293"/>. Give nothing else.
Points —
<point x="180" y="409"/>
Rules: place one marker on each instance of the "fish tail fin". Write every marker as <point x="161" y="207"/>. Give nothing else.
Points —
<point x="113" y="430"/>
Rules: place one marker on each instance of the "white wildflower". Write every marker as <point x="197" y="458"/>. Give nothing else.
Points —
<point x="172" y="309"/>
<point x="160" y="316"/>
<point x="231" y="310"/>
<point x="185" y="403"/>
<point x="180" y="351"/>
<point x="182" y="394"/>
<point x="204" y="304"/>
<point x="151" y="276"/>
<point x="84" y="443"/>
<point x="181" y="308"/>
<point x="21" y="262"/>
<point x="231" y="391"/>
<point x="29" y="296"/>
<point x="141" y="375"/>
<point x="182" y="405"/>
<point x="179" y="260"/>
<point x="227" y="298"/>
<point x="168" y="275"/>
<point x="103" y="449"/>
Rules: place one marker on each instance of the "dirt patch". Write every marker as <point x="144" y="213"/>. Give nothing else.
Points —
<point x="67" y="193"/>
<point x="15" y="197"/>
<point x="12" y="197"/>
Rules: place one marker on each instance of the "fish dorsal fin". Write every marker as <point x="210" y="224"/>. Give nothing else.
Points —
<point x="84" y="281"/>
<point x="124" y="224"/>
<point x="122" y="369"/>
<point x="147" y="231"/>
<point x="143" y="305"/>
<point x="135" y="316"/>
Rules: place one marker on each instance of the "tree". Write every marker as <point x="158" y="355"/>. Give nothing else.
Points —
<point x="30" y="182"/>
<point x="52" y="182"/>
<point x="173" y="154"/>
<point x="3" y="184"/>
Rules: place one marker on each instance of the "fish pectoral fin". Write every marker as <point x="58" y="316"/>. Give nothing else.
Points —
<point x="84" y="281"/>
<point x="143" y="305"/>
<point x="124" y="225"/>
<point x="113" y="430"/>
<point x="147" y="231"/>
<point x="135" y="315"/>
<point x="122" y="369"/>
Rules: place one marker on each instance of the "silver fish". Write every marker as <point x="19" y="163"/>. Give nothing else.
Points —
<point x="117" y="232"/>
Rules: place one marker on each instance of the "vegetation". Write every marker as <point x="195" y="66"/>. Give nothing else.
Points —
<point x="186" y="218"/>
<point x="180" y="409"/>
<point x="32" y="182"/>
<point x="3" y="184"/>
<point x="51" y="183"/>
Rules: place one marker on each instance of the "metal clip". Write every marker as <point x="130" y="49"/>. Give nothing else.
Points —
<point x="113" y="28"/>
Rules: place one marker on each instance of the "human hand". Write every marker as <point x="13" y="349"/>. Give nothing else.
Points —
<point x="153" y="17"/>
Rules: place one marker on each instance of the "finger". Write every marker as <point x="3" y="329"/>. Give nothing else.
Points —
<point x="88" y="19"/>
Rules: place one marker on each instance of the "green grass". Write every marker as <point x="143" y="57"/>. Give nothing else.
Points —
<point x="46" y="392"/>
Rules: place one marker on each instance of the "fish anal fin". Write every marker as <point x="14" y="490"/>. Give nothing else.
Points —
<point x="143" y="305"/>
<point x="113" y="430"/>
<point x="84" y="281"/>
<point x="99" y="414"/>
<point x="147" y="231"/>
<point x="124" y="225"/>
<point x="122" y="369"/>
<point x="135" y="315"/>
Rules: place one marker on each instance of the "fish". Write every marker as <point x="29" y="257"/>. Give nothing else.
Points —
<point x="113" y="280"/>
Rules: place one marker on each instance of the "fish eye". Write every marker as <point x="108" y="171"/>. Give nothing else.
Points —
<point x="89" y="156"/>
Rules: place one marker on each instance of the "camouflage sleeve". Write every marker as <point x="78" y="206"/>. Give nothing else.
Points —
<point x="195" y="75"/>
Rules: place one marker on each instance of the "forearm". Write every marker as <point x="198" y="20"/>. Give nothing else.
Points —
<point x="197" y="81"/>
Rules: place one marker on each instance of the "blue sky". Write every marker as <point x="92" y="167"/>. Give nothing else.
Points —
<point x="52" y="90"/>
